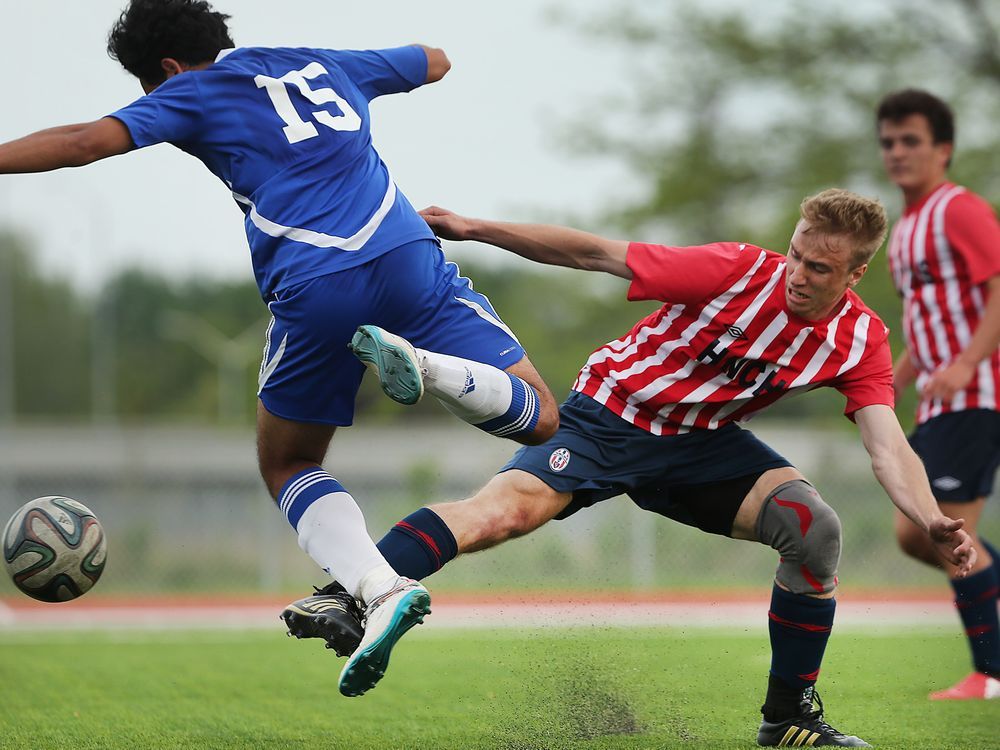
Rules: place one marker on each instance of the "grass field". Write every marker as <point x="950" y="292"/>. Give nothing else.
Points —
<point x="513" y="690"/>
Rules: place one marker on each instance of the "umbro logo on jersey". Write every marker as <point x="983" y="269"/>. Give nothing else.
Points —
<point x="559" y="459"/>
<point x="947" y="483"/>
<point x="736" y="332"/>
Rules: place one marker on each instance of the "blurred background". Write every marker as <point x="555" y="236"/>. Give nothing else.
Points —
<point x="131" y="330"/>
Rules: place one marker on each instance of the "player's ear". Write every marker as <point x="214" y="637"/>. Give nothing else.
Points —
<point x="856" y="274"/>
<point x="171" y="67"/>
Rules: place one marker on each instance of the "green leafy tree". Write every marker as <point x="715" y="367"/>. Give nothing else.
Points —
<point x="44" y="337"/>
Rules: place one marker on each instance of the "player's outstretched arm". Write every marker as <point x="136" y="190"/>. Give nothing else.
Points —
<point x="438" y="63"/>
<point x="901" y="473"/>
<point x="65" y="146"/>
<point x="542" y="243"/>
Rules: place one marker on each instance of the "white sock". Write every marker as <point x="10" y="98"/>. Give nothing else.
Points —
<point x="332" y="531"/>
<point x="471" y="390"/>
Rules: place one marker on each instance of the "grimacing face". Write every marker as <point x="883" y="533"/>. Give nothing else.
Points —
<point x="912" y="160"/>
<point x="818" y="272"/>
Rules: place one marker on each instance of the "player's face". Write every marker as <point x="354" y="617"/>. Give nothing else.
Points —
<point x="819" y="272"/>
<point x="912" y="159"/>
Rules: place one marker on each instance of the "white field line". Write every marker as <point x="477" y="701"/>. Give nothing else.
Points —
<point x="866" y="615"/>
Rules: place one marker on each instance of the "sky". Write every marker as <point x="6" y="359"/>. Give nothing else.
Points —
<point x="481" y="142"/>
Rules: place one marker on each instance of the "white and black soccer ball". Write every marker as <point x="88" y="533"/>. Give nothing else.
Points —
<point x="54" y="549"/>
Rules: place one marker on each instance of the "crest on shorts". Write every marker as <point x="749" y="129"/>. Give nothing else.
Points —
<point x="559" y="459"/>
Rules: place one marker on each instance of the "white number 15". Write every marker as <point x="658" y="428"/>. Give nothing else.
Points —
<point x="296" y="129"/>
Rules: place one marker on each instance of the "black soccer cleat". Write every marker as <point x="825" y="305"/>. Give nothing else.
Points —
<point x="805" y="730"/>
<point x="331" y="614"/>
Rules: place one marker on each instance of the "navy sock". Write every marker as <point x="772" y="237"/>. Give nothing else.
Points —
<point x="418" y="545"/>
<point x="976" y="601"/>
<point x="799" y="626"/>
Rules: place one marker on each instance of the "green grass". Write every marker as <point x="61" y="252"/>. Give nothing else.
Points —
<point x="513" y="690"/>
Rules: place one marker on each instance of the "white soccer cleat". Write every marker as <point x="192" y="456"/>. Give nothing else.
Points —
<point x="393" y="359"/>
<point x="387" y="619"/>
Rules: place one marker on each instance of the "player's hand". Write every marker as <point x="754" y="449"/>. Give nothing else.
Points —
<point x="949" y="380"/>
<point x="953" y="543"/>
<point x="446" y="224"/>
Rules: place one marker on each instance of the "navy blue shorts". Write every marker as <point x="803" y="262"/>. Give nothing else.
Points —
<point x="961" y="452"/>
<point x="699" y="478"/>
<point x="308" y="373"/>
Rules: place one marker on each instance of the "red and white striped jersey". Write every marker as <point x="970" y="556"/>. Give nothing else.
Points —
<point x="725" y="345"/>
<point x="942" y="252"/>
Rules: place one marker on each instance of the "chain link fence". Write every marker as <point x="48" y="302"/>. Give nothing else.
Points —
<point x="185" y="512"/>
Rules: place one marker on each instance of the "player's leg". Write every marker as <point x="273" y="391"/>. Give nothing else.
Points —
<point x="308" y="383"/>
<point x="512" y="504"/>
<point x="514" y="402"/>
<point x="976" y="600"/>
<point x="434" y="332"/>
<point x="785" y="512"/>
<point x="960" y="451"/>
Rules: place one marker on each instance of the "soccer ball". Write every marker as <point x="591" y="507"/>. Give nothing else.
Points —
<point x="54" y="549"/>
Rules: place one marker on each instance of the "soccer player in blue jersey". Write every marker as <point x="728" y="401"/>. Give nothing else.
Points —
<point x="335" y="246"/>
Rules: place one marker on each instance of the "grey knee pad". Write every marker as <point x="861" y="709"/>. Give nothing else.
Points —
<point x="806" y="531"/>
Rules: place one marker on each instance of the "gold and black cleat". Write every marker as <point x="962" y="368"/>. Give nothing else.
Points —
<point x="805" y="730"/>
<point x="331" y="614"/>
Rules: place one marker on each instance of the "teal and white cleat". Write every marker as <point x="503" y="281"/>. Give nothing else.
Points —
<point x="387" y="619"/>
<point x="393" y="359"/>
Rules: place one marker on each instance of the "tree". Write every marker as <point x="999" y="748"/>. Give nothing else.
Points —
<point x="731" y="116"/>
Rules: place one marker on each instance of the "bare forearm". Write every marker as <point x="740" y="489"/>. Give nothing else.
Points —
<point x="64" y="146"/>
<point x="904" y="480"/>
<point x="542" y="243"/>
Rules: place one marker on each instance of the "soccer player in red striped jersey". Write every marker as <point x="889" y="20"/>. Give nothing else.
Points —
<point x="654" y="415"/>
<point x="944" y="254"/>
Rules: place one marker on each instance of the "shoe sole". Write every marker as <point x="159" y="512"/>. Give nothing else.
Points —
<point x="397" y="372"/>
<point x="302" y="624"/>
<point x="365" y="668"/>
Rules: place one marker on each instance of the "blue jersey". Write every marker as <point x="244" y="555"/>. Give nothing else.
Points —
<point x="289" y="132"/>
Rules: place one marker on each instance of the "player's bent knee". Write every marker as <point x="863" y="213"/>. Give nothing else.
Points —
<point x="548" y="423"/>
<point x="806" y="532"/>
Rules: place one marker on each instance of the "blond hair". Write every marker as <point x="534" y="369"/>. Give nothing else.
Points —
<point x="841" y="212"/>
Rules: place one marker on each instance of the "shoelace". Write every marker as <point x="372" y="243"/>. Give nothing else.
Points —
<point x="338" y="592"/>
<point x="817" y="716"/>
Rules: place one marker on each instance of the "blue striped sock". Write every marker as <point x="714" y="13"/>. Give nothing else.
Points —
<point x="302" y="490"/>
<point x="522" y="414"/>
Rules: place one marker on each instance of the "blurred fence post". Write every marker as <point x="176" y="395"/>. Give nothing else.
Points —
<point x="643" y="548"/>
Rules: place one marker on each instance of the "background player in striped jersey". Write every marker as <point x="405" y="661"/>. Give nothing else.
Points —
<point x="653" y="414"/>
<point x="944" y="254"/>
<point x="334" y="246"/>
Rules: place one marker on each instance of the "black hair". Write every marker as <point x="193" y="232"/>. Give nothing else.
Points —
<point x="901" y="104"/>
<point x="149" y="30"/>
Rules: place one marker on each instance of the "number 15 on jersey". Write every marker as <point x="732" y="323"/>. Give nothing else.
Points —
<point x="296" y="129"/>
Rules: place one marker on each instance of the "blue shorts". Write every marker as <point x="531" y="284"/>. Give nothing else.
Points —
<point x="699" y="478"/>
<point x="961" y="451"/>
<point x="309" y="375"/>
